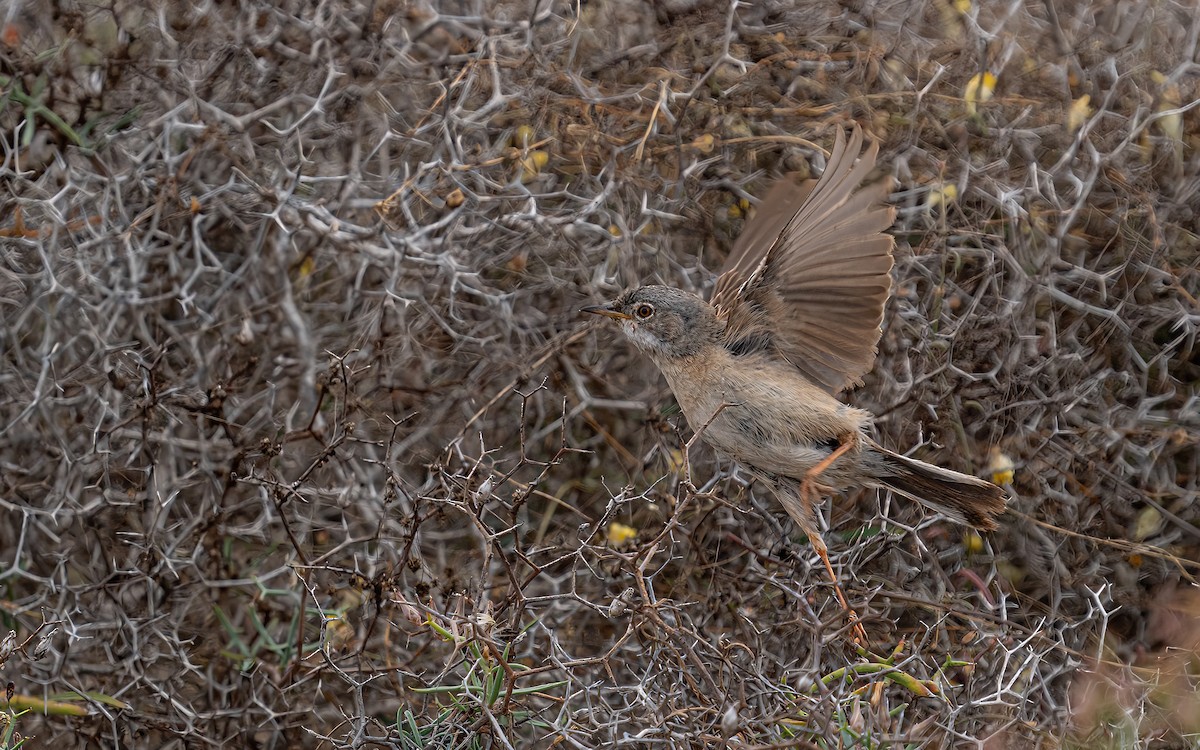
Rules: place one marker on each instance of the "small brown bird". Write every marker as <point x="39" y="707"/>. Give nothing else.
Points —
<point x="794" y="319"/>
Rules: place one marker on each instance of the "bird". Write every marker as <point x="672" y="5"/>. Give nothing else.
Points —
<point x="793" y="321"/>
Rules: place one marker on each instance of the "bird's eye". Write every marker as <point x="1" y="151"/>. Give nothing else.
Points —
<point x="644" y="311"/>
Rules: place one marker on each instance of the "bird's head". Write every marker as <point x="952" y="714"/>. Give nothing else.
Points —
<point x="663" y="322"/>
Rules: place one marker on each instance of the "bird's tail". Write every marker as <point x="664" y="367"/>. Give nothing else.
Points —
<point x="965" y="499"/>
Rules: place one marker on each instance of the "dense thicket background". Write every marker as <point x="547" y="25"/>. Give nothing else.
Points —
<point x="304" y="444"/>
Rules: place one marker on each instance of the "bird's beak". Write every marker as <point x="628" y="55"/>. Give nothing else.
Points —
<point x="607" y="310"/>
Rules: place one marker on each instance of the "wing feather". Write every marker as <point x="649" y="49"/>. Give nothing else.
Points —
<point x="812" y="271"/>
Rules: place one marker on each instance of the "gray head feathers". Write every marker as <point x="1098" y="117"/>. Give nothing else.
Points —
<point x="665" y="322"/>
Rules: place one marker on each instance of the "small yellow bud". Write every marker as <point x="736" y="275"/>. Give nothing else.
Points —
<point x="705" y="143"/>
<point x="523" y="136"/>
<point x="1079" y="113"/>
<point x="978" y="90"/>
<point x="940" y="197"/>
<point x="1149" y="521"/>
<point x="675" y="460"/>
<point x="532" y="165"/>
<point x="307" y="266"/>
<point x="1001" y="467"/>
<point x="618" y="533"/>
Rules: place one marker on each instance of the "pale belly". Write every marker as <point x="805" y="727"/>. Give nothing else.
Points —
<point x="768" y="419"/>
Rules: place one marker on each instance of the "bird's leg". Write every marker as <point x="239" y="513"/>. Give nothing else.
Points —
<point x="860" y="635"/>
<point x="808" y="496"/>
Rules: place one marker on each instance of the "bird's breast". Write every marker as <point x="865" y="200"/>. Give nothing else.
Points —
<point x="758" y="412"/>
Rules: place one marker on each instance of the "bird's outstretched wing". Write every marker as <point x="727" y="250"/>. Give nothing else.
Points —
<point x="809" y="276"/>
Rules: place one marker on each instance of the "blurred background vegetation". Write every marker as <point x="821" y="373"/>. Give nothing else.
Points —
<point x="304" y="444"/>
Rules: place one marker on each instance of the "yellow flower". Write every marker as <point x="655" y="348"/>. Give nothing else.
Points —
<point x="1001" y="467"/>
<point x="978" y="90"/>
<point x="1079" y="113"/>
<point x="618" y="533"/>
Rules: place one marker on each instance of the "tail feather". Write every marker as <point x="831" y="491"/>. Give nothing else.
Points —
<point x="965" y="499"/>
